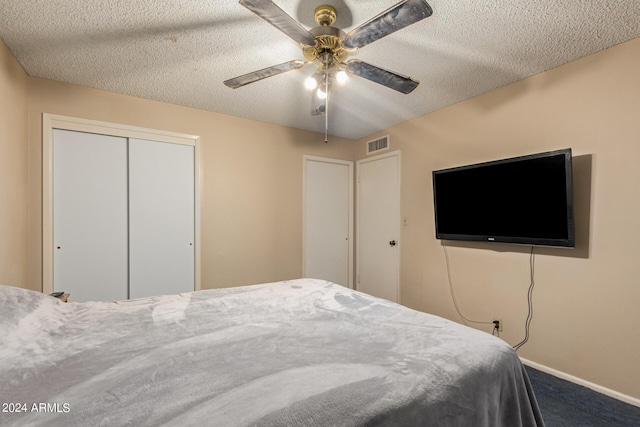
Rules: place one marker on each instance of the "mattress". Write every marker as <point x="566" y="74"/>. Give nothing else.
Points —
<point x="293" y="353"/>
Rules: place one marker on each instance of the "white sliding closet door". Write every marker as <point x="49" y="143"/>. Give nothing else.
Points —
<point x="161" y="218"/>
<point x="90" y="256"/>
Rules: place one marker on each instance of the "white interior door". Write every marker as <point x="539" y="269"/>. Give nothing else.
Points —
<point x="90" y="256"/>
<point x="162" y="218"/>
<point x="378" y="253"/>
<point x="328" y="213"/>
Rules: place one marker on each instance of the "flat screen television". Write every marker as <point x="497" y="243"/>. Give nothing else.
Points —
<point x="523" y="200"/>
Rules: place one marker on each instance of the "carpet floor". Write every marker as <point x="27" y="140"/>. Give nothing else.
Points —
<point x="567" y="404"/>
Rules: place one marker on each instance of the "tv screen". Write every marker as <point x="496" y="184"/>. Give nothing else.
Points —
<point x="524" y="200"/>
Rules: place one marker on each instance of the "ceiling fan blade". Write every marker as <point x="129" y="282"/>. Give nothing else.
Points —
<point x="378" y="75"/>
<point x="270" y="12"/>
<point x="401" y="15"/>
<point x="245" y="79"/>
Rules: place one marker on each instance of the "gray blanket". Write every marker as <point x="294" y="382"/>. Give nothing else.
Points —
<point x="295" y="353"/>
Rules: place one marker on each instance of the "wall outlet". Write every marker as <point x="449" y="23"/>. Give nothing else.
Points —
<point x="499" y="324"/>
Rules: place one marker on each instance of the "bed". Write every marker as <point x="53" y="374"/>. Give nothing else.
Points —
<point x="294" y="353"/>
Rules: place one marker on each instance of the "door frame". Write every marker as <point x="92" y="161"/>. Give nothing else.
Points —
<point x="348" y="163"/>
<point x="398" y="156"/>
<point x="54" y="121"/>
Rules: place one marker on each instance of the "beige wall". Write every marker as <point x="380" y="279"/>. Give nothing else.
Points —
<point x="13" y="170"/>
<point x="251" y="179"/>
<point x="586" y="301"/>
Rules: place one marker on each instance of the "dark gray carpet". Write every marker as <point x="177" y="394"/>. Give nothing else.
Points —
<point x="567" y="404"/>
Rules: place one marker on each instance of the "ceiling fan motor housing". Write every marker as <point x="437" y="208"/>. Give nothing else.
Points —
<point x="328" y="48"/>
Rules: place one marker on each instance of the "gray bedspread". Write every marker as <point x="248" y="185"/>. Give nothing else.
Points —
<point x="296" y="353"/>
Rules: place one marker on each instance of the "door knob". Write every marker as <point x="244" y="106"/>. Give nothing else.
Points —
<point x="392" y="243"/>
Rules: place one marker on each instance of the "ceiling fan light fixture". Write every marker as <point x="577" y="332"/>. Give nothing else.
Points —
<point x="341" y="76"/>
<point x="322" y="94"/>
<point x="310" y="83"/>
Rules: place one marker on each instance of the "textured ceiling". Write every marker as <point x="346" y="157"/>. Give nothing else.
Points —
<point x="180" y="51"/>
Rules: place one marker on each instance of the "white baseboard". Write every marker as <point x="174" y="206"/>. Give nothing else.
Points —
<point x="595" y="387"/>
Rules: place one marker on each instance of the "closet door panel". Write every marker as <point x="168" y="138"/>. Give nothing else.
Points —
<point x="90" y="255"/>
<point x="161" y="218"/>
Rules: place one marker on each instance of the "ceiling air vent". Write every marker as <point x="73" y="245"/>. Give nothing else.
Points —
<point x="379" y="144"/>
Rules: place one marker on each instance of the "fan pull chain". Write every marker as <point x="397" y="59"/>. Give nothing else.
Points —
<point x="326" y="107"/>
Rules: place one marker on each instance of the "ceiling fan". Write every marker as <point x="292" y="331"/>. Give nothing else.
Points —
<point x="328" y="47"/>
